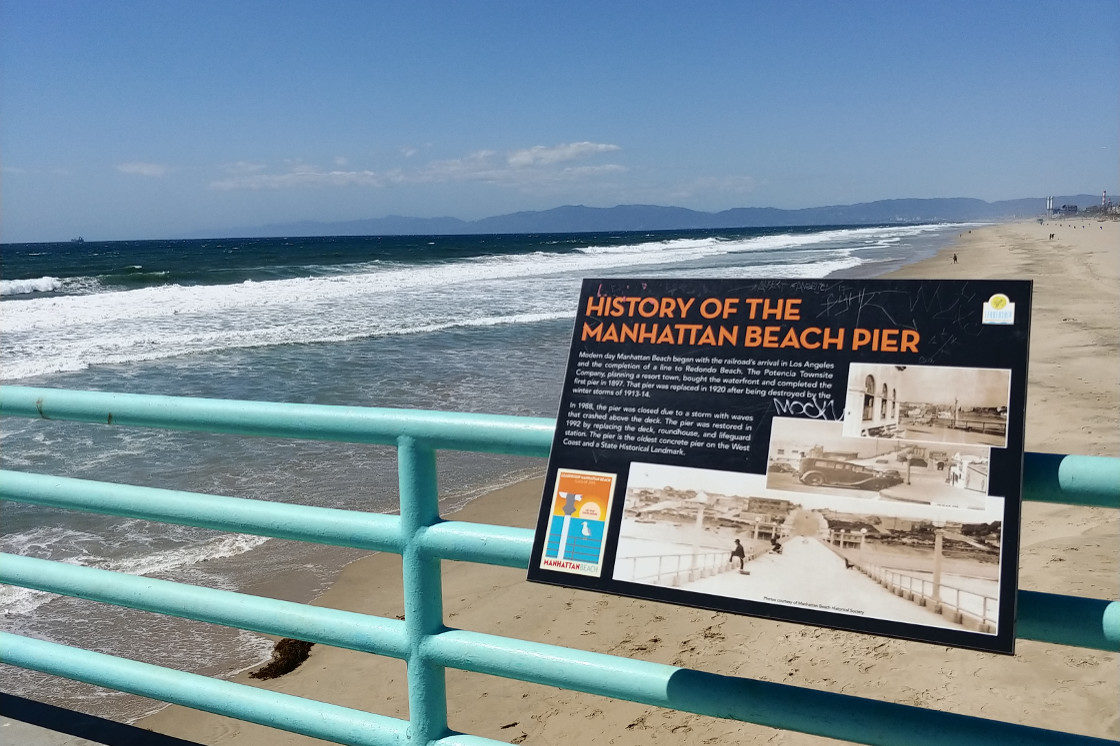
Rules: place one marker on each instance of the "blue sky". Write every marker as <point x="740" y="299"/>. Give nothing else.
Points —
<point x="148" y="120"/>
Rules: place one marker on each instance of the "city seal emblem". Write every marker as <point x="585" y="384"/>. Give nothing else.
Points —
<point x="998" y="310"/>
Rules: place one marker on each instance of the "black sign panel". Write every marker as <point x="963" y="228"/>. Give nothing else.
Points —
<point x="844" y="453"/>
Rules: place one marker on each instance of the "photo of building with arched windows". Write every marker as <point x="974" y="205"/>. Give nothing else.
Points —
<point x="872" y="400"/>
<point x="930" y="403"/>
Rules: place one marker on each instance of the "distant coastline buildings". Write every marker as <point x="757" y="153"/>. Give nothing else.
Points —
<point x="1063" y="210"/>
<point x="1106" y="207"/>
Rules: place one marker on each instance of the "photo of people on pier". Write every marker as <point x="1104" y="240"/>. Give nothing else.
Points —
<point x="724" y="534"/>
<point x="814" y="456"/>
<point x="681" y="522"/>
<point x="929" y="403"/>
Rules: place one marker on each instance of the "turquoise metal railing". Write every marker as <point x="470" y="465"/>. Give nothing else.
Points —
<point x="423" y="539"/>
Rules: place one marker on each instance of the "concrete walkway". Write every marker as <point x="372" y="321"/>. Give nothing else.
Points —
<point x="808" y="575"/>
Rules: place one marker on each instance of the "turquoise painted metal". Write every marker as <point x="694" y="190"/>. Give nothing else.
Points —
<point x="283" y="711"/>
<point x="344" y="629"/>
<point x="423" y="590"/>
<point x="523" y="436"/>
<point x="423" y="539"/>
<point x="1054" y="477"/>
<point x="1046" y="617"/>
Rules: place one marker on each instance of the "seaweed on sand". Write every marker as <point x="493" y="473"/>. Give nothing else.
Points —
<point x="286" y="657"/>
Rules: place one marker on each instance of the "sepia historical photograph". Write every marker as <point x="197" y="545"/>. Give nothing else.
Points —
<point x="723" y="534"/>
<point x="930" y="403"/>
<point x="681" y="522"/>
<point x="815" y="457"/>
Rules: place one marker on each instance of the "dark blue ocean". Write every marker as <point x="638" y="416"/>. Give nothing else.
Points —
<point x="463" y="323"/>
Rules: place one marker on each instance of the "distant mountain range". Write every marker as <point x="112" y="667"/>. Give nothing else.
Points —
<point x="582" y="219"/>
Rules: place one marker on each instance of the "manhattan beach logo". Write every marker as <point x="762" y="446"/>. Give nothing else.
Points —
<point x="998" y="310"/>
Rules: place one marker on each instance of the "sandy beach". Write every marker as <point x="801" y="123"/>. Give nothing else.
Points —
<point x="1073" y="407"/>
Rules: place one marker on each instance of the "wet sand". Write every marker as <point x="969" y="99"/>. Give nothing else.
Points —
<point x="1073" y="407"/>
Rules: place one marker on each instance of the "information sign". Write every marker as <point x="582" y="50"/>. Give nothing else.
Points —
<point x="844" y="453"/>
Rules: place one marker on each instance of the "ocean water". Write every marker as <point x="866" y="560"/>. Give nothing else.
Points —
<point x="463" y="323"/>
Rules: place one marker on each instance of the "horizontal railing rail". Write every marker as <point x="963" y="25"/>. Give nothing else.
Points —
<point x="927" y="591"/>
<point x="699" y="565"/>
<point x="1084" y="625"/>
<point x="423" y="539"/>
<point x="1047" y="477"/>
<point x="920" y="588"/>
<point x="459" y="431"/>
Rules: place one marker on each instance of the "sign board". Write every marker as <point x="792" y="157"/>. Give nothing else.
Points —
<point x="843" y="453"/>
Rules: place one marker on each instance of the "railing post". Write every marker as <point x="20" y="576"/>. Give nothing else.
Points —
<point x="423" y="590"/>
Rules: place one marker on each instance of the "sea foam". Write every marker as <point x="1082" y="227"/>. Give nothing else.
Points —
<point x="22" y="287"/>
<point x="72" y="332"/>
<point x="59" y="544"/>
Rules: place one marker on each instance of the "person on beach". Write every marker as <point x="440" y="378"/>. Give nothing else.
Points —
<point x="739" y="552"/>
<point x="954" y="258"/>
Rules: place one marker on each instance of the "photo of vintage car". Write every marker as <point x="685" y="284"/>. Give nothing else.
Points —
<point x="836" y="473"/>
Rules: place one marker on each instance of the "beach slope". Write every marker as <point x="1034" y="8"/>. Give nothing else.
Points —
<point x="1073" y="407"/>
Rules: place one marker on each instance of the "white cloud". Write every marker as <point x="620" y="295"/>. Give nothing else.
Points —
<point x="305" y="177"/>
<point x="482" y="165"/>
<point x="712" y="186"/>
<point x="340" y="161"/>
<point x="521" y="167"/>
<point x="243" y="167"/>
<point x="606" y="168"/>
<point x="541" y="155"/>
<point x="140" y="168"/>
<point x="528" y="167"/>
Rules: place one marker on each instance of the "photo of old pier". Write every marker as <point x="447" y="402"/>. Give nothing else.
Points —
<point x="736" y="540"/>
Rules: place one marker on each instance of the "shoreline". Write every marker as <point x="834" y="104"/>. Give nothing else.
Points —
<point x="1072" y="323"/>
<point x="1072" y="407"/>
